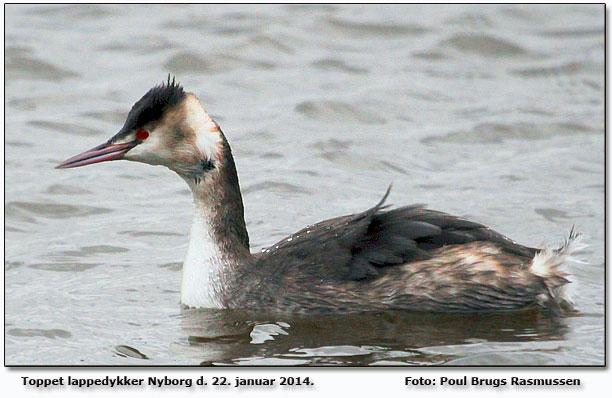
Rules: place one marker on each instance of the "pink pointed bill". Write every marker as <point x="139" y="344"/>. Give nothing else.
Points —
<point x="101" y="153"/>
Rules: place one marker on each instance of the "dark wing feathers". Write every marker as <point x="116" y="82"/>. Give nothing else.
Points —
<point x="360" y="246"/>
<point x="410" y="233"/>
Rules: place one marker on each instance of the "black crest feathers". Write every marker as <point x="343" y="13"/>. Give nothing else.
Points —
<point x="153" y="104"/>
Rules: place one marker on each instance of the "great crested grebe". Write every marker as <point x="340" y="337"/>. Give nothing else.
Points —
<point x="408" y="258"/>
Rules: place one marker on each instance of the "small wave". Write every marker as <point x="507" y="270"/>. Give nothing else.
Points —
<point x="336" y="111"/>
<point x="266" y="332"/>
<point x="485" y="45"/>
<point x="471" y="20"/>
<point x="51" y="210"/>
<point x="19" y="144"/>
<point x="108" y="116"/>
<point x="354" y="161"/>
<point x="553" y="214"/>
<point x="271" y="186"/>
<point x="72" y="11"/>
<point x="497" y="133"/>
<point x="331" y="64"/>
<point x="48" y="333"/>
<point x="271" y="155"/>
<point x="23" y="104"/>
<point x="28" y="67"/>
<point x="430" y="55"/>
<point x="66" y="190"/>
<point x="261" y="361"/>
<point x="140" y="44"/>
<point x="66" y="128"/>
<point x="127" y="351"/>
<point x="64" y="267"/>
<point x="376" y="29"/>
<point x="309" y="8"/>
<point x="269" y="44"/>
<point x="331" y="145"/>
<point x="334" y="351"/>
<point x="510" y="358"/>
<point x="8" y="265"/>
<point x="176" y="266"/>
<point x="148" y="233"/>
<point x="573" y="33"/>
<point x="91" y="250"/>
<point x="186" y="62"/>
<point x="570" y="68"/>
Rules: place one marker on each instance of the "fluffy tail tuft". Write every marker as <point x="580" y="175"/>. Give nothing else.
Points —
<point x="551" y="265"/>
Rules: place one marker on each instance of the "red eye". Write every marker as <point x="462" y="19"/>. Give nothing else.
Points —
<point x="142" y="134"/>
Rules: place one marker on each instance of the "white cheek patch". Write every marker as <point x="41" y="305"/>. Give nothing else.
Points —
<point x="209" y="140"/>
<point x="207" y="133"/>
<point x="151" y="150"/>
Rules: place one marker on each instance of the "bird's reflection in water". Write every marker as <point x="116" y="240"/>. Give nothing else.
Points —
<point x="225" y="337"/>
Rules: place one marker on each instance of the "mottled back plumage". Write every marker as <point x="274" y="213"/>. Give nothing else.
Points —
<point x="364" y="245"/>
<point x="406" y="258"/>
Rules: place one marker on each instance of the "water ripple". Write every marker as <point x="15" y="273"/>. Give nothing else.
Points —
<point x="331" y="64"/>
<point x="280" y="187"/>
<point x="64" y="267"/>
<point x="338" y="112"/>
<point x="570" y="68"/>
<point x="376" y="29"/>
<point x="65" y="128"/>
<point x="498" y="133"/>
<point x="48" y="333"/>
<point x="485" y="45"/>
<point x="127" y="351"/>
<point x="51" y="210"/>
<point x="29" y="67"/>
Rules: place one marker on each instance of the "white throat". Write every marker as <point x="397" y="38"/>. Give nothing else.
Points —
<point x="204" y="268"/>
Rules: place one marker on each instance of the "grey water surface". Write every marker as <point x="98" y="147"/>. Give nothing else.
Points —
<point x="491" y="112"/>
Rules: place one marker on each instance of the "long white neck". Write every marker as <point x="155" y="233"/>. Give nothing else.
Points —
<point x="218" y="252"/>
<point x="205" y="268"/>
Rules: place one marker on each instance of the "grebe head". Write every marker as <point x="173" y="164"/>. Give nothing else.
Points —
<point x="168" y="127"/>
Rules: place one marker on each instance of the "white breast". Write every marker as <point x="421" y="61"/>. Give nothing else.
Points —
<point x="203" y="268"/>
